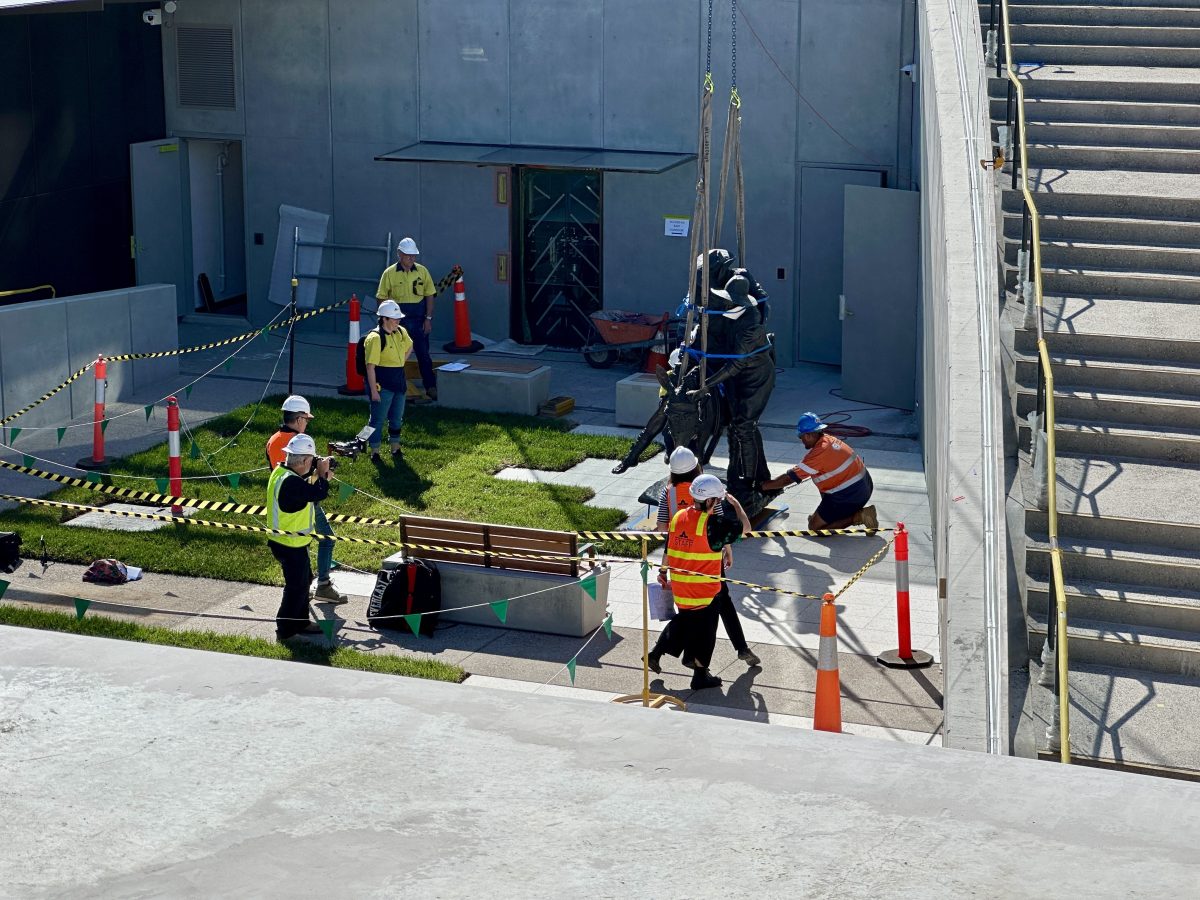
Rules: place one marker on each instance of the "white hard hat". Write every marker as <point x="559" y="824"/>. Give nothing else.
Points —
<point x="683" y="460"/>
<point x="301" y="445"/>
<point x="296" y="403"/>
<point x="409" y="246"/>
<point x="388" y="309"/>
<point x="676" y="357"/>
<point x="705" y="487"/>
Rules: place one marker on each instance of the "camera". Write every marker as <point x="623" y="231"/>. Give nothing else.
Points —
<point x="152" y="17"/>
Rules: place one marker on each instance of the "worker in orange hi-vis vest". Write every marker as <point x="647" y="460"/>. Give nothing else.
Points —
<point x="697" y="537"/>
<point x="839" y="474"/>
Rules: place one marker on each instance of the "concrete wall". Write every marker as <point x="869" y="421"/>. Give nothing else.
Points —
<point x="960" y="378"/>
<point x="43" y="342"/>
<point x="325" y="85"/>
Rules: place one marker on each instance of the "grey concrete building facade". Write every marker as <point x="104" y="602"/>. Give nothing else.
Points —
<point x="320" y="88"/>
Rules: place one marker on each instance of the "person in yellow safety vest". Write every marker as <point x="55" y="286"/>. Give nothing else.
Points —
<point x="290" y="498"/>
<point x="839" y="474"/>
<point x="675" y="495"/>
<point x="385" y="350"/>
<point x="698" y="535"/>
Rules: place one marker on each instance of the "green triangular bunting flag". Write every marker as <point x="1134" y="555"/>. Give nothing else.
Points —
<point x="263" y="334"/>
<point x="162" y="484"/>
<point x="194" y="453"/>
<point x="12" y="435"/>
<point x="149" y="411"/>
<point x="228" y="362"/>
<point x="94" y="477"/>
<point x="589" y="585"/>
<point x="3" y="587"/>
<point x="103" y="425"/>
<point x="235" y="478"/>
<point x="334" y="564"/>
<point x="414" y="622"/>
<point x="500" y="608"/>
<point x="608" y="626"/>
<point x="571" y="668"/>
<point x="645" y="571"/>
<point x="187" y="391"/>
<point x="27" y="461"/>
<point x="81" y="606"/>
<point x="61" y="432"/>
<point x="326" y="626"/>
<point x="345" y="492"/>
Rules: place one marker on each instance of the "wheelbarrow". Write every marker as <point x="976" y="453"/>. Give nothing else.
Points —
<point x="617" y="333"/>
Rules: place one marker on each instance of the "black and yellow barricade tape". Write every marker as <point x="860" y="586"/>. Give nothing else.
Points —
<point x="75" y="376"/>
<point x="863" y="571"/>
<point x="659" y="535"/>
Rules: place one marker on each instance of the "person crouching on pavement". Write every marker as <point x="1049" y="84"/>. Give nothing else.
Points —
<point x="694" y="544"/>
<point x="385" y="350"/>
<point x="291" y="496"/>
<point x="296" y="415"/>
<point x="675" y="495"/>
<point x="839" y="474"/>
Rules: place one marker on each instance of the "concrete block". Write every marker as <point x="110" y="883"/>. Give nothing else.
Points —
<point x="485" y="388"/>
<point x="570" y="610"/>
<point x="153" y="325"/>
<point x="97" y="323"/>
<point x="637" y="399"/>
<point x="33" y="349"/>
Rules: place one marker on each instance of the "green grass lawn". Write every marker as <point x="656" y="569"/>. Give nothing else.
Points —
<point x="298" y="651"/>
<point x="450" y="457"/>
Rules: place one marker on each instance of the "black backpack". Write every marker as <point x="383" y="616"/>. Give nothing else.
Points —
<point x="10" y="551"/>
<point x="415" y="586"/>
<point x="360" y="351"/>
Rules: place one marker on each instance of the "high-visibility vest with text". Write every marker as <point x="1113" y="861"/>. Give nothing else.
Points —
<point x="695" y="566"/>
<point x="678" y="496"/>
<point x="305" y="520"/>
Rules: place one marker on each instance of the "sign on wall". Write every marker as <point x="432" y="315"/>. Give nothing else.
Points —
<point x="676" y="226"/>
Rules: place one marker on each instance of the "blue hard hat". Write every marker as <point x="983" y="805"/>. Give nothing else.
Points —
<point x="809" y="423"/>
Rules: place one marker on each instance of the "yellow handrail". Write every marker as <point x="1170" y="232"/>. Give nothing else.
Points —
<point x="40" y="287"/>
<point x="1060" y="597"/>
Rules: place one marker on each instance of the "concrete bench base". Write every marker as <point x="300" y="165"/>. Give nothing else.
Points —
<point x="637" y="399"/>
<point x="569" y="610"/>
<point x="495" y="387"/>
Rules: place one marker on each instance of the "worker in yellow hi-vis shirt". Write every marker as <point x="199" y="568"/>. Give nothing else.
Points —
<point x="409" y="284"/>
<point x="385" y="350"/>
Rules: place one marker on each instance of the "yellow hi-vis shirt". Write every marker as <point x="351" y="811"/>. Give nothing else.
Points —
<point x="412" y="286"/>
<point x="395" y="350"/>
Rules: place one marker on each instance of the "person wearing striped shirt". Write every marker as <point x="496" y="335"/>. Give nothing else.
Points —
<point x="839" y="474"/>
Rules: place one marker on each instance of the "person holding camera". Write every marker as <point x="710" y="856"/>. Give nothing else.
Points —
<point x="293" y="490"/>
<point x="296" y="415"/>
<point x="385" y="350"/>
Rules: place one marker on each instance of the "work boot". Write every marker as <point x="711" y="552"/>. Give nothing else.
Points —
<point x="654" y="661"/>
<point x="310" y="628"/>
<point x="620" y="467"/>
<point x="397" y="454"/>
<point x="705" y="679"/>
<point x="750" y="658"/>
<point x="327" y="593"/>
<point x="867" y="518"/>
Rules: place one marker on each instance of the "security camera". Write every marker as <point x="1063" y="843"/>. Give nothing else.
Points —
<point x="152" y="17"/>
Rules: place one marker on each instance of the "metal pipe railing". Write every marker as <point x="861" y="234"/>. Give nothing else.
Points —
<point x="1056" y="623"/>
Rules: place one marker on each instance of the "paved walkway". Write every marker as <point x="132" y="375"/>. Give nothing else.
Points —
<point x="783" y="629"/>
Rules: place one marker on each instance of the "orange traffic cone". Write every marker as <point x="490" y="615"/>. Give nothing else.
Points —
<point x="658" y="354"/>
<point x="463" y="342"/>
<point x="828" y="714"/>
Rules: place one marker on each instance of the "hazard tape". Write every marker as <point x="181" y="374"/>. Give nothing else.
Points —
<point x="863" y="571"/>
<point x="824" y="532"/>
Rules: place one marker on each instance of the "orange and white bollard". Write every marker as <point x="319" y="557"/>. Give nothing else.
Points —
<point x="903" y="657"/>
<point x="174" y="461"/>
<point x="657" y="355"/>
<point x="463" y="342"/>
<point x="828" y="713"/>
<point x="354" y="386"/>
<point x="97" y="460"/>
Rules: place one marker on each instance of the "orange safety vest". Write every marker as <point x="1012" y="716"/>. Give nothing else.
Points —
<point x="275" y="445"/>
<point x="678" y="496"/>
<point x="695" y="566"/>
<point x="832" y="465"/>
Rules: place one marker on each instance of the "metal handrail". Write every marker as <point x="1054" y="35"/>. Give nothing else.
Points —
<point x="1056" y="629"/>
<point x="30" y="290"/>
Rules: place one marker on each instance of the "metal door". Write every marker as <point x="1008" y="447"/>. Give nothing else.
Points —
<point x="161" y="240"/>
<point x="822" y="195"/>
<point x="558" y="233"/>
<point x="879" y="328"/>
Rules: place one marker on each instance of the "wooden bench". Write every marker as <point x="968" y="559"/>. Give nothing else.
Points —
<point x="487" y="574"/>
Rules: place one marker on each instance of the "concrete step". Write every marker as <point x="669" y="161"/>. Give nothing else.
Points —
<point x="1096" y="156"/>
<point x="1112" y="562"/>
<point x="1125" y="646"/>
<point x="1172" y="195"/>
<point x="1104" y="229"/>
<point x="1099" y="111"/>
<point x="1146" y="375"/>
<point x="1080" y="254"/>
<point x="1034" y="53"/>
<point x="1162" y="84"/>
<point x="984" y="5"/>
<point x="1167" y="444"/>
<point x="1118" y="327"/>
<point x="1093" y="281"/>
<point x="1136" y="36"/>
<point x="1168" y="15"/>
<point x="1103" y="134"/>
<point x="1117" y="406"/>
<point x="1119" y="603"/>
<point x="1121" y="487"/>
<point x="1086" y="527"/>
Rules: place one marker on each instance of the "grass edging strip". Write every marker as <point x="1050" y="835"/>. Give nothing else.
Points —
<point x="297" y="651"/>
